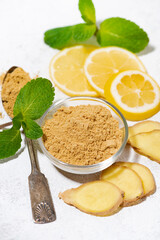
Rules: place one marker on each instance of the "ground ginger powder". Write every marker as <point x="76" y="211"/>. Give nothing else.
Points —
<point x="82" y="135"/>
<point x="1" y="80"/>
<point x="11" y="87"/>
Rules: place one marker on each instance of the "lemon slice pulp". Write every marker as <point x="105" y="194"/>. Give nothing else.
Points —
<point x="67" y="72"/>
<point x="102" y="63"/>
<point x="134" y="93"/>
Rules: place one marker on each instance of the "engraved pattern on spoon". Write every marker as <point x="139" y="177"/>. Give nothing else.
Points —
<point x="44" y="213"/>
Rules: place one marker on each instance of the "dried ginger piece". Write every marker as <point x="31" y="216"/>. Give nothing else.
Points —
<point x="145" y="126"/>
<point x="99" y="198"/>
<point x="147" y="144"/>
<point x="127" y="180"/>
<point x="145" y="174"/>
<point x="96" y="198"/>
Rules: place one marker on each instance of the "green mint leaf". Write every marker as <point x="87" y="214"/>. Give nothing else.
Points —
<point x="34" y="98"/>
<point x="58" y="37"/>
<point x="87" y="10"/>
<point x="123" y="33"/>
<point x="17" y="121"/>
<point x="31" y="129"/>
<point x="83" y="31"/>
<point x="10" y="142"/>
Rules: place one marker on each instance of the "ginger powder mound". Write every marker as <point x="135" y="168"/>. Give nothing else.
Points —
<point x="11" y="88"/>
<point x="82" y="135"/>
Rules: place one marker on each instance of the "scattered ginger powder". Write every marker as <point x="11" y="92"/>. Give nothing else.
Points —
<point x="82" y="135"/>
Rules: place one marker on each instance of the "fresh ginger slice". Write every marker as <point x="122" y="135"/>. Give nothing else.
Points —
<point x="145" y="126"/>
<point x="147" y="144"/>
<point x="99" y="198"/>
<point x="145" y="174"/>
<point x="127" y="180"/>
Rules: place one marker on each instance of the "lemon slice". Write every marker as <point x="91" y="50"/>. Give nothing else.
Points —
<point x="134" y="93"/>
<point x="67" y="73"/>
<point x="102" y="63"/>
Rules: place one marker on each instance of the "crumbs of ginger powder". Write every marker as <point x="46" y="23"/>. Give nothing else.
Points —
<point x="82" y="135"/>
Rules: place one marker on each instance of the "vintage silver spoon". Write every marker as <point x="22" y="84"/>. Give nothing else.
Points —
<point x="41" y="200"/>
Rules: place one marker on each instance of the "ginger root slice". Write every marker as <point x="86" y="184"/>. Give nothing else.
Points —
<point x="99" y="198"/>
<point x="145" y="126"/>
<point x="127" y="180"/>
<point x="145" y="174"/>
<point x="147" y="144"/>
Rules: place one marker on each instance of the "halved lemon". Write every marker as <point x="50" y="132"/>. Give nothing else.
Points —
<point x="67" y="72"/>
<point x="134" y="93"/>
<point x="102" y="63"/>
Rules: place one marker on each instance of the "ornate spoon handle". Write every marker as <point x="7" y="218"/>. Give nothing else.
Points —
<point x="41" y="200"/>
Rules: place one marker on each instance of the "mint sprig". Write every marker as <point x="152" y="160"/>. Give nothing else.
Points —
<point x="114" y="31"/>
<point x="86" y="7"/>
<point x="58" y="37"/>
<point x="62" y="37"/>
<point x="31" y="129"/>
<point x="34" y="98"/>
<point x="31" y="103"/>
<point x="83" y="31"/>
<point x="123" y="33"/>
<point x="10" y="142"/>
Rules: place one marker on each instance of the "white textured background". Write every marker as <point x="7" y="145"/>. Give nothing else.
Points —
<point x="22" y="24"/>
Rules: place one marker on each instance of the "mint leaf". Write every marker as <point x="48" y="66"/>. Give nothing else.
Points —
<point x="10" y="142"/>
<point x="32" y="101"/>
<point x="83" y="31"/>
<point x="31" y="129"/>
<point x="17" y="121"/>
<point x="120" y="32"/>
<point x="87" y="10"/>
<point x="58" y="37"/>
<point x="34" y="98"/>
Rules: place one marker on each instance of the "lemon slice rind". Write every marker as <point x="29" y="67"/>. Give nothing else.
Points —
<point x="108" y="49"/>
<point x="138" y="109"/>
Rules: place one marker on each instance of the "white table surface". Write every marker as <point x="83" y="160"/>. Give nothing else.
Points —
<point x="22" y="24"/>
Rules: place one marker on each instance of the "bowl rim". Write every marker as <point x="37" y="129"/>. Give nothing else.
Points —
<point x="80" y="167"/>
